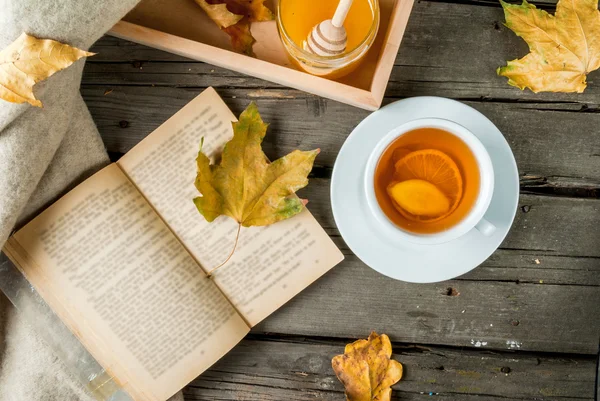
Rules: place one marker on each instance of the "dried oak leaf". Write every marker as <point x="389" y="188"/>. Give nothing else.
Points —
<point x="563" y="47"/>
<point x="366" y="369"/>
<point x="234" y="18"/>
<point x="244" y="185"/>
<point x="29" y="60"/>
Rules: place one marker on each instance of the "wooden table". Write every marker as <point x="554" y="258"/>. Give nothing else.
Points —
<point x="525" y="325"/>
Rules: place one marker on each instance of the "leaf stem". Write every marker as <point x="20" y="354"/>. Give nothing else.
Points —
<point x="237" y="237"/>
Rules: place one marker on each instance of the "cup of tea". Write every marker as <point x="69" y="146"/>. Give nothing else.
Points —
<point x="430" y="181"/>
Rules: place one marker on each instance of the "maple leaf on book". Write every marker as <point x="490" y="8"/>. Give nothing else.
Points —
<point x="244" y="185"/>
<point x="564" y="47"/>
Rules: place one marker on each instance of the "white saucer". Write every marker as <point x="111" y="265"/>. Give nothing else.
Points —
<point x="398" y="258"/>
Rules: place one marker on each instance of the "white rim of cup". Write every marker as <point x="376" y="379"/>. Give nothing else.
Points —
<point x="486" y="185"/>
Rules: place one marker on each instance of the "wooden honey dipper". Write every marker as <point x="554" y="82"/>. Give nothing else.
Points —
<point x="329" y="37"/>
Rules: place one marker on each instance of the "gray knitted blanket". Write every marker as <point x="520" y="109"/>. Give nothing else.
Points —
<point x="43" y="153"/>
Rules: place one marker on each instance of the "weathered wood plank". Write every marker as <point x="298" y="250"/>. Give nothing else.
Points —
<point x="179" y="74"/>
<point x="109" y="49"/>
<point x="352" y="300"/>
<point x="301" y="370"/>
<point x="558" y="226"/>
<point x="527" y="266"/>
<point x="551" y="146"/>
<point x="541" y="267"/>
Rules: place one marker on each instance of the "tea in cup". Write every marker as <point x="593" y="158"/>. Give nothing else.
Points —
<point x="430" y="181"/>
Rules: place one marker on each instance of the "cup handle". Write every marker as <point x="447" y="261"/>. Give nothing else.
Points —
<point x="485" y="227"/>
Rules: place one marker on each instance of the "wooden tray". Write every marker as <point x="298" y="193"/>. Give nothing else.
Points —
<point x="181" y="27"/>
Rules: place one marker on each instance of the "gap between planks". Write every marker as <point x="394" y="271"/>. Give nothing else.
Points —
<point x="400" y="347"/>
<point x="548" y="5"/>
<point x="277" y="367"/>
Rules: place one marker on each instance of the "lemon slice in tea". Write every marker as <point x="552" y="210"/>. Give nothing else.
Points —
<point x="436" y="168"/>
<point x="419" y="198"/>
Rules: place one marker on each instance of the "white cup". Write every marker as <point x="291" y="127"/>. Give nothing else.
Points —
<point x="473" y="220"/>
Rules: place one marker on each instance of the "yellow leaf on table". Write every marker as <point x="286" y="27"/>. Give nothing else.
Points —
<point x="220" y="14"/>
<point x="563" y="47"/>
<point x="244" y="185"/>
<point x="29" y="60"/>
<point x="234" y="18"/>
<point x="366" y="370"/>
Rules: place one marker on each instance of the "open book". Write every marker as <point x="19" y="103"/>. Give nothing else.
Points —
<point x="122" y="260"/>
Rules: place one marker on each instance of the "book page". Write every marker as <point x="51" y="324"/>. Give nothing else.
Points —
<point x="271" y="264"/>
<point x="125" y="286"/>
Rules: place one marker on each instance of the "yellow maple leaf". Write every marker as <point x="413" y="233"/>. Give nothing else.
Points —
<point x="29" y="60"/>
<point x="234" y="18"/>
<point x="366" y="370"/>
<point x="244" y="185"/>
<point x="563" y="47"/>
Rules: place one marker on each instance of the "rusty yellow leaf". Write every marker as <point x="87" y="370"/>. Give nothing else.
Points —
<point x="29" y="60"/>
<point x="244" y="185"/>
<point x="234" y="18"/>
<point x="564" y="47"/>
<point x="366" y="370"/>
<point x="219" y="13"/>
